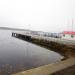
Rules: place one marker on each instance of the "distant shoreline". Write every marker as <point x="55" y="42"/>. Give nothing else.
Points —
<point x="7" y="28"/>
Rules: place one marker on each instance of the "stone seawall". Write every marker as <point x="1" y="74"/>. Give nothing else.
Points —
<point x="67" y="71"/>
<point x="64" y="67"/>
<point x="63" y="49"/>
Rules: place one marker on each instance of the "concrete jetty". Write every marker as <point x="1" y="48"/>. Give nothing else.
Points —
<point x="58" y="40"/>
<point x="64" y="47"/>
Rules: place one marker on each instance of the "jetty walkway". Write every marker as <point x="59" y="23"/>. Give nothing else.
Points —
<point x="59" y="40"/>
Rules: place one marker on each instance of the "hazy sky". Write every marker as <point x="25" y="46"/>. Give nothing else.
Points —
<point x="45" y="15"/>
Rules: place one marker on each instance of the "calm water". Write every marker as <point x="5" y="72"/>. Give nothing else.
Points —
<point x="17" y="55"/>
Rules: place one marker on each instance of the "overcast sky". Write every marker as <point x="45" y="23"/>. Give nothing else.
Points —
<point x="44" y="15"/>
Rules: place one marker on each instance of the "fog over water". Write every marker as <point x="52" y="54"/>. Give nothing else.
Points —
<point x="42" y="15"/>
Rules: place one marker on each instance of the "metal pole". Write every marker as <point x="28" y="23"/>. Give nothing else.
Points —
<point x="72" y="24"/>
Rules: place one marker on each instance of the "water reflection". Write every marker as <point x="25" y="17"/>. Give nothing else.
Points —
<point x="17" y="55"/>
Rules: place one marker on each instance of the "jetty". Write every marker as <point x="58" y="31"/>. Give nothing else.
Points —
<point x="65" y="47"/>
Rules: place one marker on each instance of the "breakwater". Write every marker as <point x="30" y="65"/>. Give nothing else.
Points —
<point x="63" y="49"/>
<point x="59" y="68"/>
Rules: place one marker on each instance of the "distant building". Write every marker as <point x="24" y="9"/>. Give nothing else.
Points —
<point x="68" y="35"/>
